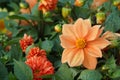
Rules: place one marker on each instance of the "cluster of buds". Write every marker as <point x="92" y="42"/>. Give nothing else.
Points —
<point x="3" y="10"/>
<point x="3" y="38"/>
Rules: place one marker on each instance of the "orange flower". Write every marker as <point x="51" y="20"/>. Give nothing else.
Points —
<point x="36" y="52"/>
<point x="2" y="26"/>
<point x="97" y="3"/>
<point x="31" y="3"/>
<point x="79" y="3"/>
<point x="47" y="5"/>
<point x="25" y="42"/>
<point x="82" y="44"/>
<point x="40" y="66"/>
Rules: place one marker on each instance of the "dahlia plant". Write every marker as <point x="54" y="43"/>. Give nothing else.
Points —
<point x="59" y="39"/>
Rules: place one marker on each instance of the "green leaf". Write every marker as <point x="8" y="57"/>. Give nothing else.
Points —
<point x="28" y="48"/>
<point x="112" y="22"/>
<point x="110" y="63"/>
<point x="22" y="71"/>
<point x="15" y="52"/>
<point x="3" y="15"/>
<point x="14" y="6"/>
<point x="66" y="1"/>
<point x="3" y="72"/>
<point x="47" y="45"/>
<point x="116" y="74"/>
<point x="64" y="73"/>
<point x="90" y="75"/>
<point x="12" y="76"/>
<point x="35" y="10"/>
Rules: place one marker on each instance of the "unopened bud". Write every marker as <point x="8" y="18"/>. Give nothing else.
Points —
<point x="11" y="13"/>
<point x="116" y="2"/>
<point x="58" y="28"/>
<point x="100" y="17"/>
<point x="79" y="3"/>
<point x="66" y="12"/>
<point x="24" y="5"/>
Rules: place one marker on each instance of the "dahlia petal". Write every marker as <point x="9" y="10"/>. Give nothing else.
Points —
<point x="81" y="28"/>
<point x="67" y="42"/>
<point x="68" y="30"/>
<point x="94" y="51"/>
<point x="100" y="32"/>
<point x="64" y="55"/>
<point x="100" y="43"/>
<point x="93" y="33"/>
<point x="89" y="62"/>
<point x="76" y="58"/>
<point x="87" y="23"/>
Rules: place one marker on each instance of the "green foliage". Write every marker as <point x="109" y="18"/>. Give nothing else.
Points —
<point x="22" y="71"/>
<point x="41" y="27"/>
<point x="112" y="22"/>
<point x="90" y="75"/>
<point x="3" y="72"/>
<point x="47" y="45"/>
<point x="65" y="72"/>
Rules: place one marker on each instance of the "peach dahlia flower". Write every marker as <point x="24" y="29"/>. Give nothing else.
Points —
<point x="82" y="44"/>
<point x="40" y="66"/>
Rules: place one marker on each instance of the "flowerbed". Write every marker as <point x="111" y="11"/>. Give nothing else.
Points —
<point x="60" y="40"/>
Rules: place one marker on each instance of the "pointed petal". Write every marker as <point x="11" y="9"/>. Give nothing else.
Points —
<point x="100" y="32"/>
<point x="94" y="51"/>
<point x="67" y="42"/>
<point x="100" y="43"/>
<point x="87" y="23"/>
<point x="81" y="28"/>
<point x="93" y="33"/>
<point x="64" y="55"/>
<point x="76" y="58"/>
<point x="68" y="30"/>
<point x="89" y="62"/>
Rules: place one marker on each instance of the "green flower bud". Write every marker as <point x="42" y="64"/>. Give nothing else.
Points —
<point x="0" y="9"/>
<point x="4" y="10"/>
<point x="24" y="5"/>
<point x="100" y="17"/>
<point x="116" y="2"/>
<point x="58" y="28"/>
<point x="11" y="13"/>
<point x="66" y="12"/>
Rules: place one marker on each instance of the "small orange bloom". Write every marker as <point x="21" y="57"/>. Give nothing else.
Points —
<point x="79" y="3"/>
<point x="97" y="3"/>
<point x="2" y="26"/>
<point x="36" y="52"/>
<point x="40" y="66"/>
<point x="47" y="5"/>
<point x="25" y="42"/>
<point x="82" y="44"/>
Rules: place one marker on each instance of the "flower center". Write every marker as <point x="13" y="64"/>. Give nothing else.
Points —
<point x="80" y="43"/>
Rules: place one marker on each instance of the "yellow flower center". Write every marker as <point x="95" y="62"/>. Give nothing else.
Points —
<point x="80" y="43"/>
